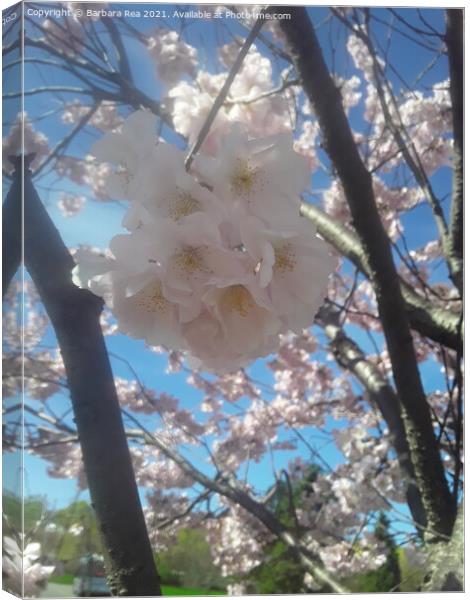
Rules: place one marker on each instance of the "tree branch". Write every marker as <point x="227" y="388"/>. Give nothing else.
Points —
<point x="350" y="356"/>
<point x="126" y="92"/>
<point x="429" y="320"/>
<point x="339" y="143"/>
<point x="229" y="488"/>
<point x="413" y="161"/>
<point x="116" y="39"/>
<point x="224" y="91"/>
<point x="65" y="141"/>
<point x="286" y="84"/>
<point x="12" y="229"/>
<point x="74" y="314"/>
<point x="454" y="42"/>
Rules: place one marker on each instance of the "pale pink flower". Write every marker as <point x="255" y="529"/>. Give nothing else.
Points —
<point x="70" y="205"/>
<point x="305" y="144"/>
<point x="248" y="328"/>
<point x="130" y="150"/>
<point x="191" y="103"/>
<point x="192" y="257"/>
<point x="264" y="177"/>
<point x="286" y="260"/>
<point x="132" y="288"/>
<point x="105" y="118"/>
<point x="35" y="142"/>
<point x="167" y="191"/>
<point x="174" y="57"/>
<point x="190" y="106"/>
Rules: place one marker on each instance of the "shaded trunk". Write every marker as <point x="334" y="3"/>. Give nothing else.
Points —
<point x="356" y="180"/>
<point x="75" y="316"/>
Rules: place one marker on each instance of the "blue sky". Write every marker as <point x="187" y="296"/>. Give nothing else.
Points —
<point x="99" y="221"/>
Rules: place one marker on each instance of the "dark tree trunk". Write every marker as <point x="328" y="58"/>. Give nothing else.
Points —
<point x="75" y="314"/>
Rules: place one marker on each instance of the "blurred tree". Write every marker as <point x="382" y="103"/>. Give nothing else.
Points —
<point x="189" y="562"/>
<point x="387" y="577"/>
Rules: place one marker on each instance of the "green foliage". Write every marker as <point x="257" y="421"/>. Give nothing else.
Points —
<point x="289" y="494"/>
<point x="388" y="576"/>
<point x="167" y="574"/>
<point x="281" y="572"/>
<point x="34" y="510"/>
<point x="64" y="544"/>
<point x="411" y="576"/>
<point x="66" y="579"/>
<point x="189" y="562"/>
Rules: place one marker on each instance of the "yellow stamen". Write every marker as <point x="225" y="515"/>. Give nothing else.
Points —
<point x="284" y="258"/>
<point x="183" y="205"/>
<point x="243" y="178"/>
<point x="189" y="260"/>
<point x="237" y="298"/>
<point x="151" y="299"/>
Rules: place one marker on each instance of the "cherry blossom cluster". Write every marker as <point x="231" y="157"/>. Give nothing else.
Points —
<point x="425" y="121"/>
<point x="24" y="137"/>
<point x="391" y="202"/>
<point x="105" y="117"/>
<point x="218" y="261"/>
<point x="174" y="58"/>
<point x="331" y="513"/>
<point x="192" y="101"/>
<point x="85" y="172"/>
<point x="70" y="204"/>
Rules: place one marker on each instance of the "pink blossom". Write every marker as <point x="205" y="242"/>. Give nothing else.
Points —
<point x="35" y="142"/>
<point x="174" y="58"/>
<point x="71" y="205"/>
<point x="105" y="118"/>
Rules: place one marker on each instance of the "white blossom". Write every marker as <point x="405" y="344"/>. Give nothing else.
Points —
<point x="23" y="574"/>
<point x="218" y="262"/>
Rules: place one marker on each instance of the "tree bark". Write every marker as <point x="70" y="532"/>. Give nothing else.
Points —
<point x="454" y="42"/>
<point x="74" y="314"/>
<point x="446" y="562"/>
<point x="434" y="322"/>
<point x="11" y="230"/>
<point x="356" y="180"/>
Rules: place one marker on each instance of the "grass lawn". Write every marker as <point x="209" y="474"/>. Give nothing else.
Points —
<point x="168" y="590"/>
<point x="66" y="579"/>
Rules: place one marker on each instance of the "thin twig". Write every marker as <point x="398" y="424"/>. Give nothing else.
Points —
<point x="224" y="91"/>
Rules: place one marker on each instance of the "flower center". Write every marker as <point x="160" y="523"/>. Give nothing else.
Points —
<point x="238" y="299"/>
<point x="285" y="259"/>
<point x="183" y="205"/>
<point x="243" y="178"/>
<point x="189" y="260"/>
<point x="151" y="299"/>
